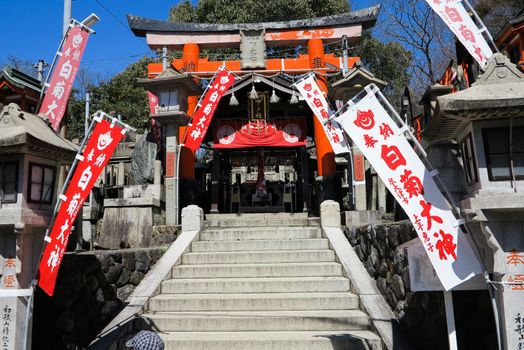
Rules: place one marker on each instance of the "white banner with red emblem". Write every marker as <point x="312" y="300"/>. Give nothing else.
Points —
<point x="316" y="100"/>
<point x="382" y="142"/>
<point x="59" y="89"/>
<point x="97" y="152"/>
<point x="202" y="117"/>
<point x="461" y="24"/>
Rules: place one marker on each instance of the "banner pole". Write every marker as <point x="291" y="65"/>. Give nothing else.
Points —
<point x="483" y="28"/>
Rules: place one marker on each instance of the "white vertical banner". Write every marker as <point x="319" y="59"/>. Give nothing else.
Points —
<point x="461" y="24"/>
<point x="316" y="100"/>
<point x="382" y="142"/>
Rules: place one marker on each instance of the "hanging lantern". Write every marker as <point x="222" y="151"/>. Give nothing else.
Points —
<point x="253" y="93"/>
<point x="294" y="99"/>
<point x="274" y="98"/>
<point x="233" y="100"/>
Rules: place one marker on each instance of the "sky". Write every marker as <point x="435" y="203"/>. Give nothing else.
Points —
<point x="32" y="30"/>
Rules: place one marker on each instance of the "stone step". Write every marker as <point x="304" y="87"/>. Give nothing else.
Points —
<point x="254" y="302"/>
<point x="268" y="256"/>
<point x="256" y="285"/>
<point x="261" y="245"/>
<point x="247" y="233"/>
<point x="256" y="216"/>
<point x="259" y="222"/>
<point x="258" y="270"/>
<point x="313" y="340"/>
<point x="242" y="321"/>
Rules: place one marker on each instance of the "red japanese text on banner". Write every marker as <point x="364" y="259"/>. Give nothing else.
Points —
<point x="209" y="103"/>
<point x="316" y="100"/>
<point x="461" y="24"/>
<point x="395" y="161"/>
<point x="100" y="146"/>
<point x="156" y="128"/>
<point x="57" y="94"/>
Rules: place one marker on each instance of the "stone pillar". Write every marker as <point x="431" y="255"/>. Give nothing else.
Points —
<point x="192" y="218"/>
<point x="171" y="134"/>
<point x="359" y="166"/>
<point x="330" y="214"/>
<point x="215" y="181"/>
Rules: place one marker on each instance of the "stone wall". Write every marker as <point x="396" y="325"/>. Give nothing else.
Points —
<point x="422" y="314"/>
<point x="91" y="288"/>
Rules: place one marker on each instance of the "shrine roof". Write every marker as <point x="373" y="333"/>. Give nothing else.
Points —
<point x="505" y="32"/>
<point x="20" y="128"/>
<point x="497" y="93"/>
<point x="20" y="79"/>
<point x="365" y="17"/>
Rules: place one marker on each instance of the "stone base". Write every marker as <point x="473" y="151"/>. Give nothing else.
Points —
<point x="362" y="217"/>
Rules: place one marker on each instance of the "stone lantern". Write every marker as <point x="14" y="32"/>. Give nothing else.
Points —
<point x="474" y="137"/>
<point x="344" y="90"/>
<point x="172" y="89"/>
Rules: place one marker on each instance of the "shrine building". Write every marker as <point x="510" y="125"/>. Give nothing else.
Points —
<point x="262" y="128"/>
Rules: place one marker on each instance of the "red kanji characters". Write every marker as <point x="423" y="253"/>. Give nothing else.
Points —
<point x="453" y="14"/>
<point x="418" y="223"/>
<point x="317" y="103"/>
<point x="517" y="281"/>
<point x="369" y="141"/>
<point x="514" y="258"/>
<point x="446" y="246"/>
<point x="324" y="114"/>
<point x="308" y="87"/>
<point x="392" y="156"/>
<point x="426" y="212"/>
<point x="365" y="119"/>
<point x="385" y="130"/>
<point x="467" y="33"/>
<point x="412" y="184"/>
<point x="480" y="55"/>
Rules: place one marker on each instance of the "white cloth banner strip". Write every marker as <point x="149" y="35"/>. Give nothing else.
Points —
<point x="316" y="100"/>
<point x="395" y="161"/>
<point x="461" y="24"/>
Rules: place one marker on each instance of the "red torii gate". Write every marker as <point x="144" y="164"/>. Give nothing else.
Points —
<point x="315" y="33"/>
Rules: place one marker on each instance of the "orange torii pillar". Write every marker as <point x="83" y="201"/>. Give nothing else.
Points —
<point x="190" y="56"/>
<point x="326" y="166"/>
<point x="189" y="194"/>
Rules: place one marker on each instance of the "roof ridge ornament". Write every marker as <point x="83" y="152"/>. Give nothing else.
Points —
<point x="500" y="70"/>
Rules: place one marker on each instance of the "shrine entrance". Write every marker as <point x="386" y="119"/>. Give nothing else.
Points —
<point x="267" y="151"/>
<point x="259" y="180"/>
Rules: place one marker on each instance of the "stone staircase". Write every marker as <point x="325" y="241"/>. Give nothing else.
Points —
<point x="260" y="281"/>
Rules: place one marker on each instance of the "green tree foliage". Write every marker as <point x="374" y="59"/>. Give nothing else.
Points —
<point x="120" y="95"/>
<point x="249" y="11"/>
<point x="387" y="61"/>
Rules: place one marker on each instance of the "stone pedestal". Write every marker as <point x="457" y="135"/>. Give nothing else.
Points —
<point x="330" y="214"/>
<point x="192" y="218"/>
<point x="16" y="331"/>
<point x="362" y="217"/>
<point x="128" y="222"/>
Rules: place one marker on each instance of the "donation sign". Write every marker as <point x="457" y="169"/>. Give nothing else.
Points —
<point x="100" y="146"/>
<point x="223" y="80"/>
<point x="382" y="142"/>
<point x="59" y="89"/>
<point x="458" y="20"/>
<point x="316" y="100"/>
